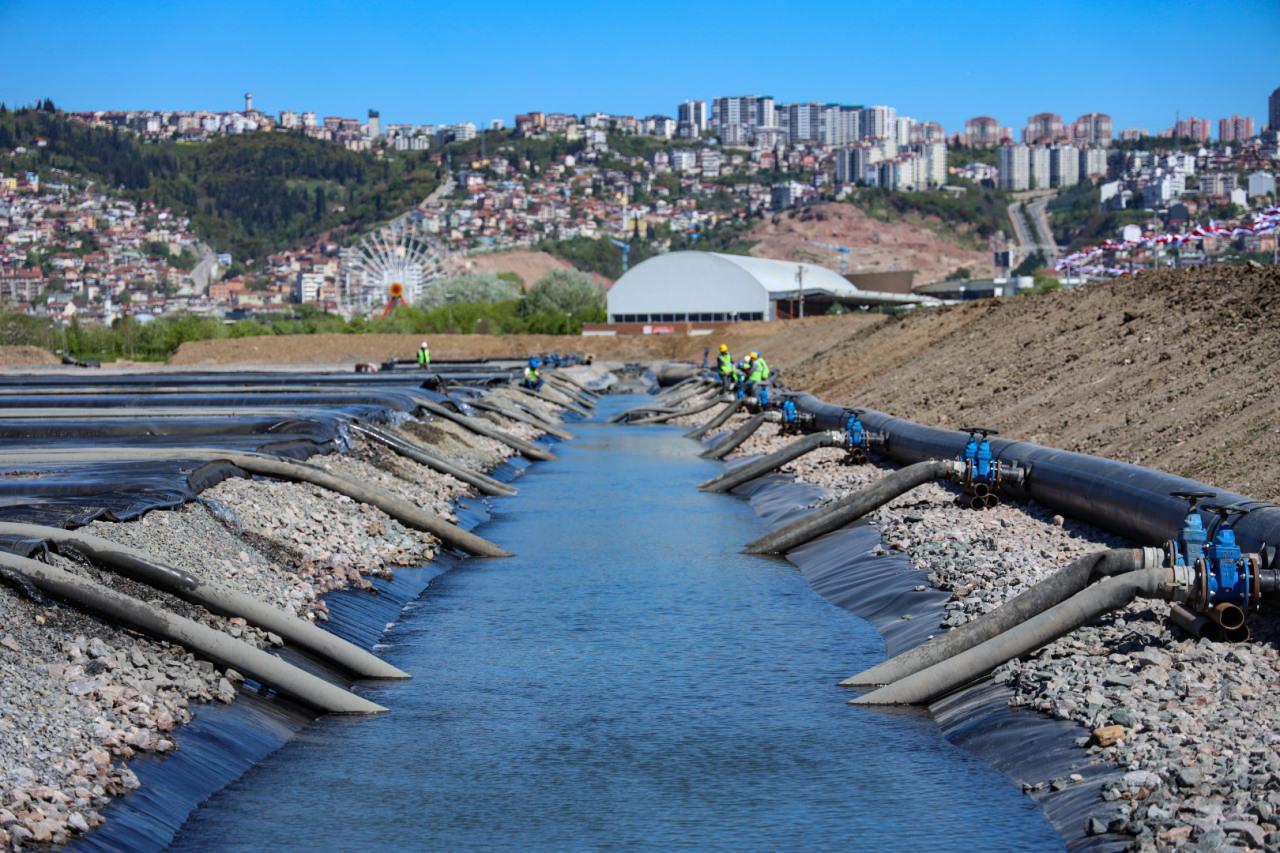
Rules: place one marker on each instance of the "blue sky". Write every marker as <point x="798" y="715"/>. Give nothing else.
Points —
<point x="444" y="62"/>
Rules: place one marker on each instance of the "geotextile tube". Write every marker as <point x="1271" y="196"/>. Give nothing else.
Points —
<point x="488" y="404"/>
<point x="760" y="467"/>
<point x="479" y="427"/>
<point x="678" y="413"/>
<point x="1083" y="607"/>
<point x="482" y="483"/>
<point x="727" y="445"/>
<point x="716" y="422"/>
<point x="222" y="649"/>
<point x="257" y="463"/>
<point x="215" y="597"/>
<point x="543" y="395"/>
<point x="850" y="508"/>
<point x="1053" y="590"/>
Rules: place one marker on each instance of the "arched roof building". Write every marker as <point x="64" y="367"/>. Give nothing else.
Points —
<point x="710" y="287"/>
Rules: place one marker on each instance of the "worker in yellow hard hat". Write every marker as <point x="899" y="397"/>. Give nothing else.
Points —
<point x="725" y="365"/>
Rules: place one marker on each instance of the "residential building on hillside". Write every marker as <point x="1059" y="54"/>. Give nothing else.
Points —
<point x="1235" y="129"/>
<point x="877" y="122"/>
<point x="1014" y="165"/>
<point x="1043" y="128"/>
<point x="1195" y="129"/>
<point x="1261" y="183"/>
<point x="1092" y="129"/>
<point x="1064" y="166"/>
<point x="982" y="132"/>
<point x="1273" y="111"/>
<point x="1040" y="173"/>
<point x="691" y="119"/>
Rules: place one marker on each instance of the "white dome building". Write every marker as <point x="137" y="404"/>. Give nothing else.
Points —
<point x="705" y="287"/>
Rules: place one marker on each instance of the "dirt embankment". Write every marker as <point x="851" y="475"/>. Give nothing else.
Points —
<point x="526" y="263"/>
<point x="784" y="343"/>
<point x="875" y="246"/>
<point x="1174" y="370"/>
<point x="26" y="356"/>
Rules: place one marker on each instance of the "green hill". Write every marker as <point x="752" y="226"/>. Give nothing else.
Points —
<point x="249" y="194"/>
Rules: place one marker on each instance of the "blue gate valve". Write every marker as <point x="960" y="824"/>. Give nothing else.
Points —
<point x="1189" y="546"/>
<point x="979" y="461"/>
<point x="857" y="441"/>
<point x="1230" y="575"/>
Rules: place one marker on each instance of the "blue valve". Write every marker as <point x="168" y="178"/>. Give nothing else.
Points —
<point x="978" y="458"/>
<point x="1230" y="573"/>
<point x="790" y="414"/>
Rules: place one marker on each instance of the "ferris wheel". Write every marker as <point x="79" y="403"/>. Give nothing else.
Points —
<point x="393" y="263"/>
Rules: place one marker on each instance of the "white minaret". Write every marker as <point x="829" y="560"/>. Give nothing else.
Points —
<point x="248" y="102"/>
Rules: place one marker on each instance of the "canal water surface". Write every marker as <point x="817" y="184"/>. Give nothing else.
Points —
<point x="627" y="680"/>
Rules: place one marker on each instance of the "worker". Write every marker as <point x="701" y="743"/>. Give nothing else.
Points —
<point x="532" y="379"/>
<point x="424" y="356"/>
<point x="725" y="366"/>
<point x="758" y="377"/>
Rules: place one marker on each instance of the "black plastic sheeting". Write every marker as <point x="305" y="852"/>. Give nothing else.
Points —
<point x="221" y="743"/>
<point x="1129" y="500"/>
<point x="1024" y="745"/>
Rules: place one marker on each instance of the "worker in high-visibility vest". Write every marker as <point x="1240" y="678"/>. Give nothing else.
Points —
<point x="758" y="377"/>
<point x="725" y="365"/>
<point x="533" y="379"/>
<point x="424" y="356"/>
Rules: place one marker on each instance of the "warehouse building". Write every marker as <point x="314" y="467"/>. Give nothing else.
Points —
<point x="705" y="287"/>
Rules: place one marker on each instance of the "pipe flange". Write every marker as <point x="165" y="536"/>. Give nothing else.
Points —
<point x="1255" y="582"/>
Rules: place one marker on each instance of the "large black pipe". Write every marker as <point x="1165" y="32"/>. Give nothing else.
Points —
<point x="1129" y="500"/>
<point x="850" y="508"/>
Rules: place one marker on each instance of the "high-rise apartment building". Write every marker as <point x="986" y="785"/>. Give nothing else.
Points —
<point x="839" y="125"/>
<point x="1092" y="129"/>
<point x="1064" y="166"/>
<point x="691" y="119"/>
<point x="877" y="122"/>
<point x="1039" y="168"/>
<point x="1013" y="166"/>
<point x="1093" y="163"/>
<point x="374" y="128"/>
<point x="933" y="156"/>
<point x="803" y="122"/>
<point x="982" y="132"/>
<point x="1273" y="112"/>
<point x="1235" y="129"/>
<point x="1195" y="129"/>
<point x="1043" y="128"/>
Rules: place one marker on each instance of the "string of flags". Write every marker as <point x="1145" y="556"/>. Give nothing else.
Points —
<point x="1091" y="261"/>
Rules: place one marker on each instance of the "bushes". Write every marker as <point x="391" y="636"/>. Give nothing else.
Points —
<point x="558" y="304"/>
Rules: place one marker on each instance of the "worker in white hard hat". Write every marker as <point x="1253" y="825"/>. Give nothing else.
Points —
<point x="424" y="356"/>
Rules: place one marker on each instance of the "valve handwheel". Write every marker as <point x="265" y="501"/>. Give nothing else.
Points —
<point x="981" y="430"/>
<point x="1193" y="497"/>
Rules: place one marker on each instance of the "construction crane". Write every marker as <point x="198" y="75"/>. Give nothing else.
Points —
<point x="835" y="247"/>
<point x="626" y="252"/>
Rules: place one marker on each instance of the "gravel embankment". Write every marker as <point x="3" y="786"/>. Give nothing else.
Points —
<point x="79" y="698"/>
<point x="1189" y="721"/>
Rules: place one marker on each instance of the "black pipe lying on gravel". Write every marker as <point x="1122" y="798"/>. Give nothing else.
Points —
<point x="272" y="466"/>
<point x="850" y="508"/>
<point x="716" y="422"/>
<point x="727" y="445"/>
<point x="482" y="483"/>
<point x="215" y="597"/>
<point x="222" y="649"/>
<point x="1056" y="588"/>
<point x="758" y="468"/>
<point x="1103" y="597"/>
<point x="479" y="427"/>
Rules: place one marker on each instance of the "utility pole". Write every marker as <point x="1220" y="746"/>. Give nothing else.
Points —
<point x="800" y="289"/>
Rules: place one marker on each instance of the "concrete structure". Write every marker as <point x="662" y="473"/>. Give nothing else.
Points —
<point x="982" y="132"/>
<point x="691" y="119"/>
<point x="1235" y="129"/>
<point x="1064" y="166"/>
<point x="878" y="122"/>
<point x="1014" y="165"/>
<point x="1262" y="183"/>
<point x="1092" y="129"/>
<point x="1038" y="162"/>
<point x="1044" y="128"/>
<point x="959" y="290"/>
<point x="1273" y="111"/>
<point x="705" y="287"/>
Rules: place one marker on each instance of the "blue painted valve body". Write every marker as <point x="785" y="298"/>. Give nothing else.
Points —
<point x="978" y="455"/>
<point x="1228" y="573"/>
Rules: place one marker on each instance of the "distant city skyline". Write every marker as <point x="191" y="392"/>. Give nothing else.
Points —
<point x="426" y="66"/>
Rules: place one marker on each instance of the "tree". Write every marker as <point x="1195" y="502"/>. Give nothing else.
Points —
<point x="459" y="289"/>
<point x="564" y="292"/>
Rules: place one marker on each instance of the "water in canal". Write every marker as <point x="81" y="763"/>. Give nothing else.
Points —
<point x="627" y="680"/>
